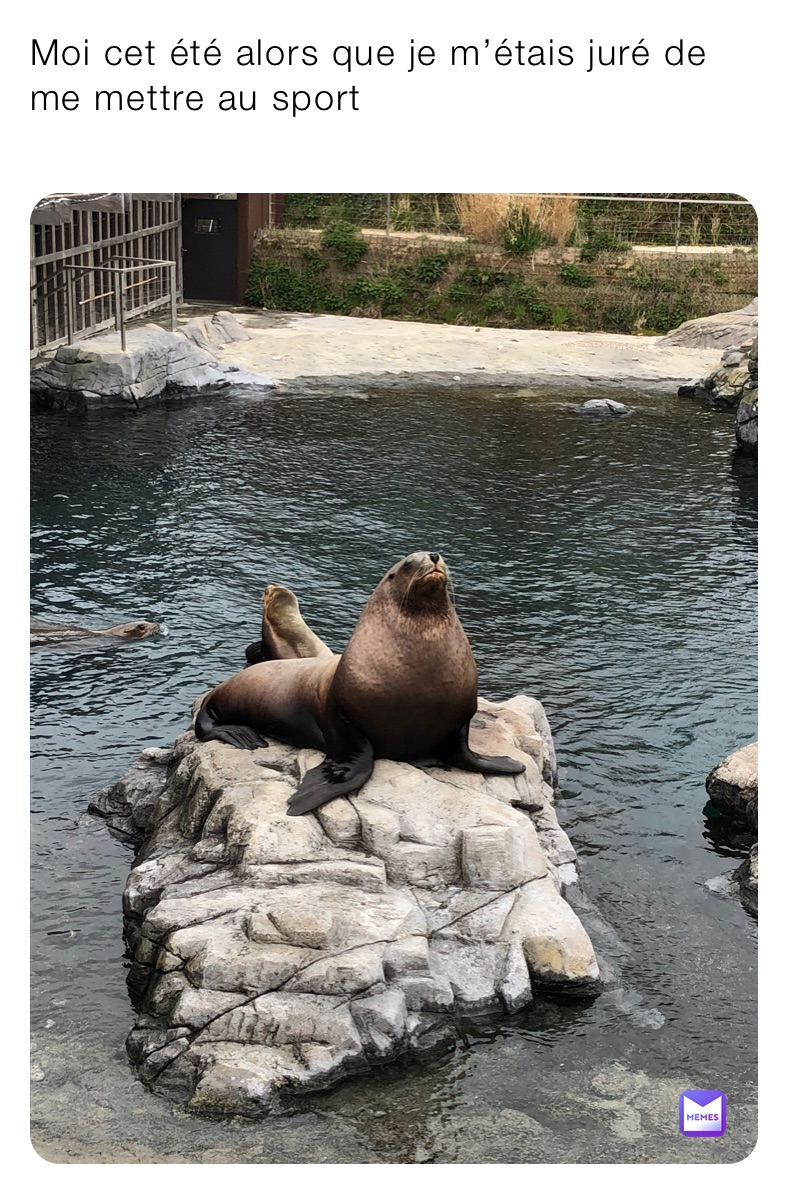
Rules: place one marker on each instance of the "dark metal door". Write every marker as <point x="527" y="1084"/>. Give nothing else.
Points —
<point x="210" y="250"/>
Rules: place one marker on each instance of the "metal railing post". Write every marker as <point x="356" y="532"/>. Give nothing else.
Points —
<point x="69" y="305"/>
<point x="678" y="225"/>
<point x="173" y="299"/>
<point x="120" y="324"/>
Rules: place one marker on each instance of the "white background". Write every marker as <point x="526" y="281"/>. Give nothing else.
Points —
<point x="715" y="128"/>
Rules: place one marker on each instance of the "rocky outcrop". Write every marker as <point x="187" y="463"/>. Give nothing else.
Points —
<point x="733" y="790"/>
<point x="733" y="786"/>
<point x="747" y="410"/>
<point x="275" y="954"/>
<point x="726" y="385"/>
<point x="728" y="329"/>
<point x="734" y="383"/>
<point x="746" y="876"/>
<point x="97" y="371"/>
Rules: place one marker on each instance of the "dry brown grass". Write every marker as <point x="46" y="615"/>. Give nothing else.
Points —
<point x="482" y="217"/>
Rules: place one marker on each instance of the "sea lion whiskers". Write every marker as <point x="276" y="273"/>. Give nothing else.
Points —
<point x="421" y="591"/>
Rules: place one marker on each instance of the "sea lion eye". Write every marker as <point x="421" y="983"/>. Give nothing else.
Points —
<point x="391" y="575"/>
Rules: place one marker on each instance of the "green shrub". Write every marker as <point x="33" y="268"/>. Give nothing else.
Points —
<point x="382" y="292"/>
<point x="572" y="275"/>
<point x="343" y="237"/>
<point x="644" y="279"/>
<point x="602" y="242"/>
<point x="314" y="262"/>
<point x="402" y="220"/>
<point x="431" y="267"/>
<point x="282" y="288"/>
<point x="481" y="279"/>
<point x="519" y="233"/>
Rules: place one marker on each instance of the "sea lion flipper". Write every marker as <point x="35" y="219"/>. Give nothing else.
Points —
<point x="256" y="653"/>
<point x="208" y="728"/>
<point x="344" y="770"/>
<point x="455" y="752"/>
<point x="242" y="737"/>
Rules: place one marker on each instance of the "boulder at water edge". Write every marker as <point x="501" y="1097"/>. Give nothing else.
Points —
<point x="154" y="363"/>
<point x="276" y="954"/>
<point x="733" y="790"/>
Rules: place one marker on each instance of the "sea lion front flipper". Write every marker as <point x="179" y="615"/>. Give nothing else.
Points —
<point x="348" y="765"/>
<point x="455" y="752"/>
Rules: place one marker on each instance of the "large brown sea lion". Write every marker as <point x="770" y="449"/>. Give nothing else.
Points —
<point x="405" y="688"/>
<point x="46" y="634"/>
<point x="284" y="633"/>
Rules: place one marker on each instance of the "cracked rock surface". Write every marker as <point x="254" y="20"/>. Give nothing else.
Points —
<point x="273" y="954"/>
<point x="98" y="372"/>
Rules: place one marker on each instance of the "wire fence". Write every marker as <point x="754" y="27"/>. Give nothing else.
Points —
<point x="691" y="220"/>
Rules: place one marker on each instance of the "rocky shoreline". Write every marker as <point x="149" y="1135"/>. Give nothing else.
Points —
<point x="279" y="352"/>
<point x="98" y="372"/>
<point x="733" y="382"/>
<point x="273" y="955"/>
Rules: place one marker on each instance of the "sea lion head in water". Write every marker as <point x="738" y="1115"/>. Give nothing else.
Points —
<point x="133" y="630"/>
<point x="46" y="634"/>
<point x="284" y="633"/>
<point x="405" y="688"/>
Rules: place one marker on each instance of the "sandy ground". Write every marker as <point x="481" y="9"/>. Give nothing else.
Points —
<point x="335" y="349"/>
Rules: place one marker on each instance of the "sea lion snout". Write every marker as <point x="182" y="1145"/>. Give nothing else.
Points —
<point x="423" y="562"/>
<point x="134" y="629"/>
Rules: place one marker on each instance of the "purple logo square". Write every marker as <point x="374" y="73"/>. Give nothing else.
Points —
<point x="702" y="1113"/>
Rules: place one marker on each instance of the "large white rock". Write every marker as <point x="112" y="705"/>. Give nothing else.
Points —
<point x="726" y="329"/>
<point x="97" y="371"/>
<point x="274" y="954"/>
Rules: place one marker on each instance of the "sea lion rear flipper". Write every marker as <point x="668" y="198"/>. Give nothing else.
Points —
<point x="348" y="765"/>
<point x="256" y="653"/>
<point x="455" y="752"/>
<point x="208" y="729"/>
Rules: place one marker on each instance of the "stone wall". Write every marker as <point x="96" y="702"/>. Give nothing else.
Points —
<point x="452" y="280"/>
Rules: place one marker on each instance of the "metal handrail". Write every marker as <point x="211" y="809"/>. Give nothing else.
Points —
<point x="142" y="265"/>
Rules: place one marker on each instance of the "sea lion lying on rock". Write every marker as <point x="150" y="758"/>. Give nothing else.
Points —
<point x="45" y="634"/>
<point x="405" y="688"/>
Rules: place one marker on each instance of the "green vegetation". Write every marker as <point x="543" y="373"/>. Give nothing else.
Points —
<point x="346" y="241"/>
<point x="348" y="274"/>
<point x="520" y="234"/>
<point x="602" y="242"/>
<point x="421" y="212"/>
<point x="571" y="275"/>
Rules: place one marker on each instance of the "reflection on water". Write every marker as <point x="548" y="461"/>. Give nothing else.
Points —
<point x="607" y="568"/>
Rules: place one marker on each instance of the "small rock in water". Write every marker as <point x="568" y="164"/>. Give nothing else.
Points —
<point x="605" y="407"/>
